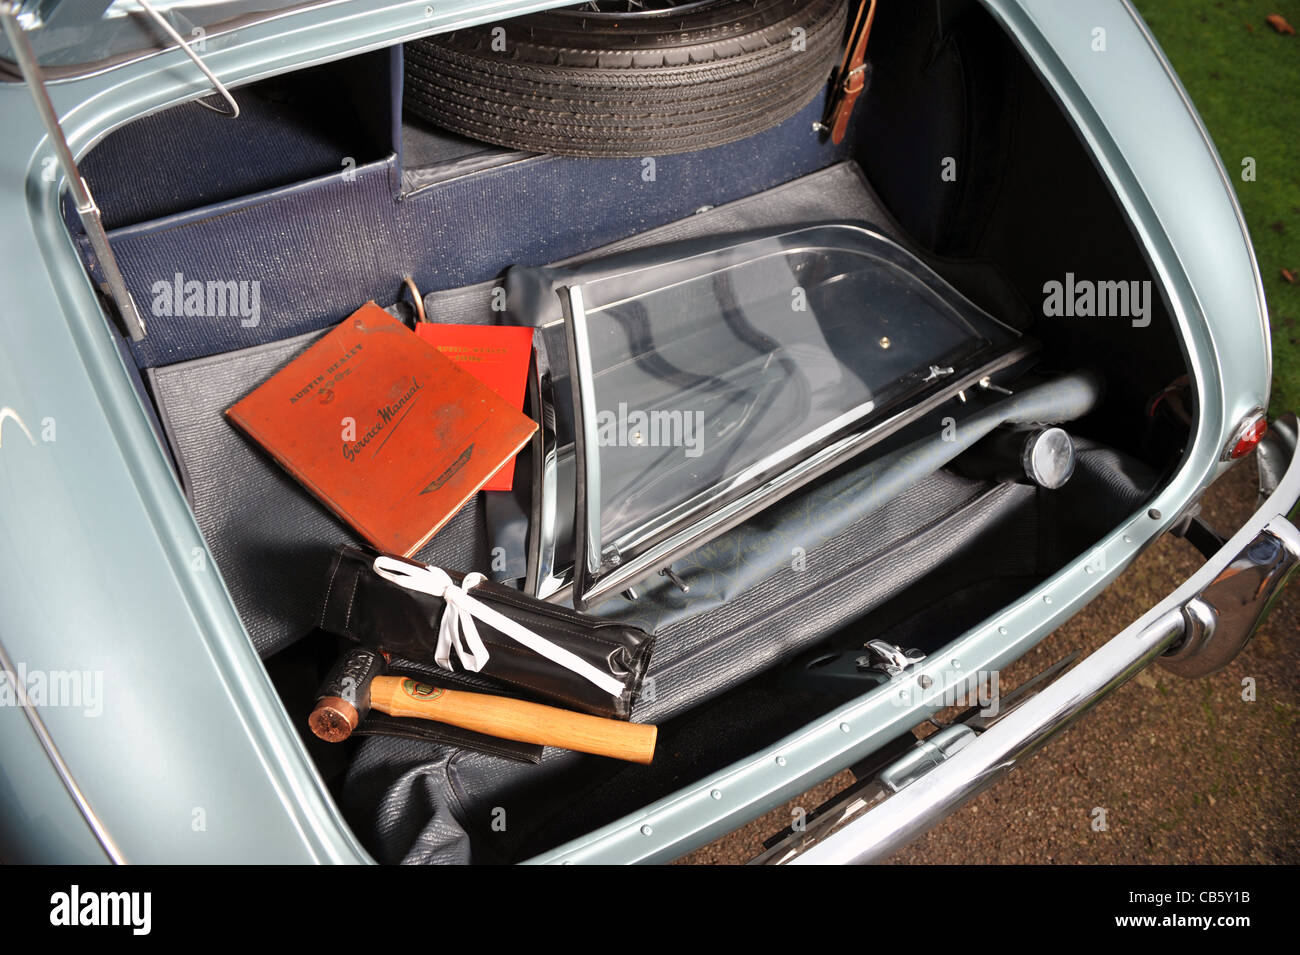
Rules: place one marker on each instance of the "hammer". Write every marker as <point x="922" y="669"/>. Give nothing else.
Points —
<point x="357" y="684"/>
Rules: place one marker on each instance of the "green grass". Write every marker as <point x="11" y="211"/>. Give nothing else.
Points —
<point x="1246" y="85"/>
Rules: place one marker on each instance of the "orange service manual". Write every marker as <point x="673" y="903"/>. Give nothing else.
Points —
<point x="498" y="356"/>
<point x="387" y="433"/>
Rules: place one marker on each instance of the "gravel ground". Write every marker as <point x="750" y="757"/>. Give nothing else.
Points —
<point x="1186" y="771"/>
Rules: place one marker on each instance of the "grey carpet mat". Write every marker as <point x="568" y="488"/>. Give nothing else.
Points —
<point x="270" y="539"/>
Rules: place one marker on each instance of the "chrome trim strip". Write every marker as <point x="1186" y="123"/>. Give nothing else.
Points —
<point x="897" y="821"/>
<point x="705" y="502"/>
<point x="587" y="556"/>
<point x="541" y="579"/>
<point x="877" y="833"/>
<point x="726" y="516"/>
<point x="60" y="765"/>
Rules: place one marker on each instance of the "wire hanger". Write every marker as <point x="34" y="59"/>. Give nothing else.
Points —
<point x="180" y="41"/>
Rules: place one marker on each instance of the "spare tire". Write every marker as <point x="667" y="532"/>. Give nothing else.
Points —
<point x="594" y="81"/>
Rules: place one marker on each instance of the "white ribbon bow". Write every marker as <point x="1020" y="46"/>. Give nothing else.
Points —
<point x="457" y="629"/>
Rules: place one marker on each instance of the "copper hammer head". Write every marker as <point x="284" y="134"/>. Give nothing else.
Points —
<point x="344" y="698"/>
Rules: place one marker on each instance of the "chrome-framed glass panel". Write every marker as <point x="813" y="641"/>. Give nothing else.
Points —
<point x="710" y="379"/>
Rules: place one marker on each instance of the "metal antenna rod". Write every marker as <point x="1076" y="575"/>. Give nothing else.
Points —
<point x="85" y="203"/>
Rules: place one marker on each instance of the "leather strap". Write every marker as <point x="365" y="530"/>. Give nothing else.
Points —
<point x="849" y="78"/>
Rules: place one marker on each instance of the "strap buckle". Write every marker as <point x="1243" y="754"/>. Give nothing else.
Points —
<point x="850" y="78"/>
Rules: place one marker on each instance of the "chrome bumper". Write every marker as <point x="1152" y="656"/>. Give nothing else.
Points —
<point x="1202" y="625"/>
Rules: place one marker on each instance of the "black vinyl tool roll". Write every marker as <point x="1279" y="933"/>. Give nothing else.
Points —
<point x="364" y="606"/>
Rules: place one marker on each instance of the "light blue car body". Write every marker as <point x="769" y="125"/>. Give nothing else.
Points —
<point x="192" y="757"/>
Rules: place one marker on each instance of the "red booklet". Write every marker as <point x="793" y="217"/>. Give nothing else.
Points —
<point x="386" y="432"/>
<point x="496" y="355"/>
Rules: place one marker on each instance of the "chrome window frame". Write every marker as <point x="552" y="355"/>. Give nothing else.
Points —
<point x="598" y="572"/>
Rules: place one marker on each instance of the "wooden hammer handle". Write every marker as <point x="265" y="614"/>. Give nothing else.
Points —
<point x="514" y="719"/>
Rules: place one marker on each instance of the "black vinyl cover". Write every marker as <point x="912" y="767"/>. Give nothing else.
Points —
<point x="363" y="606"/>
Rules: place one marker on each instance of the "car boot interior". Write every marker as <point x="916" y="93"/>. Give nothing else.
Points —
<point x="326" y="194"/>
